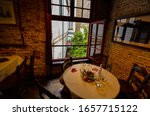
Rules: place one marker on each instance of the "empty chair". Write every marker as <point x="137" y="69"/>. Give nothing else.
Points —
<point x="44" y="93"/>
<point x="132" y="87"/>
<point x="21" y="73"/>
<point x="67" y="63"/>
<point x="145" y="90"/>
<point x="98" y="59"/>
<point x="65" y="93"/>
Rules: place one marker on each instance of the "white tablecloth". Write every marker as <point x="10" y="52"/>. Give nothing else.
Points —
<point x="73" y="80"/>
<point x="8" y="67"/>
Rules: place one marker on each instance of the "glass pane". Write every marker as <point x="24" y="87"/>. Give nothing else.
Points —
<point x="56" y="32"/>
<point x="87" y="4"/>
<point x="98" y="49"/>
<point x="100" y="29"/>
<point x="77" y="51"/>
<point x="78" y="3"/>
<point x="78" y="12"/>
<point x="55" y="10"/>
<point x="60" y="33"/>
<point x="59" y="52"/>
<point x="99" y="40"/>
<point x="92" y="41"/>
<point x="118" y="33"/>
<point x="66" y="2"/>
<point x="128" y="34"/>
<point x="91" y="50"/>
<point x="94" y="30"/>
<point x="61" y="2"/>
<point x="86" y="13"/>
<point x="65" y="11"/>
<point x="55" y="1"/>
<point x="123" y="20"/>
<point x="131" y="20"/>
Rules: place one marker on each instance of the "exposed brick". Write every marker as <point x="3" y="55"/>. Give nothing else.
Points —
<point x="33" y="30"/>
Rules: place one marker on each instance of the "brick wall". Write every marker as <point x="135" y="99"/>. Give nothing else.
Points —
<point x="121" y="56"/>
<point x="33" y="30"/>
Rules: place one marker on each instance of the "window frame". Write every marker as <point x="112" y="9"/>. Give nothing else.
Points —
<point x="96" y="36"/>
<point x="72" y="17"/>
<point x="50" y="17"/>
<point x="55" y="60"/>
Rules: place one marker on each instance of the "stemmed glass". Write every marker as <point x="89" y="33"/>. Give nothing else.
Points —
<point x="99" y="78"/>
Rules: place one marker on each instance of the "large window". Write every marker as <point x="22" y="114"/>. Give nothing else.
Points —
<point x="69" y="30"/>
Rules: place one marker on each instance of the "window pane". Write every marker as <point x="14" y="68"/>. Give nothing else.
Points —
<point x="78" y="3"/>
<point x="98" y="49"/>
<point x="77" y="51"/>
<point x="55" y="1"/>
<point x="91" y="50"/>
<point x="94" y="31"/>
<point x="60" y="33"/>
<point x="61" y="2"/>
<point x="55" y="10"/>
<point x="128" y="34"/>
<point x="65" y="11"/>
<point x="92" y="41"/>
<point x="100" y="29"/>
<point x="87" y="4"/>
<point x="78" y="12"/>
<point x="66" y="2"/>
<point x="99" y="40"/>
<point x="118" y="33"/>
<point x="73" y="51"/>
<point x="86" y="13"/>
<point x="59" y="52"/>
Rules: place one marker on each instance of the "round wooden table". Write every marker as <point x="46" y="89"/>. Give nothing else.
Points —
<point x="73" y="80"/>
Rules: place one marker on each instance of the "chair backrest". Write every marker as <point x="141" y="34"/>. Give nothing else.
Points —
<point x="145" y="89"/>
<point x="138" y="77"/>
<point x="21" y="73"/>
<point x="44" y="93"/>
<point x="67" y="63"/>
<point x="98" y="59"/>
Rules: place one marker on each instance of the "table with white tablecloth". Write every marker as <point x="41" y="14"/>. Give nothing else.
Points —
<point x="74" y="82"/>
<point x="7" y="67"/>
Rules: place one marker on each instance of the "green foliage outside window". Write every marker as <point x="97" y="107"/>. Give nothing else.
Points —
<point x="79" y="38"/>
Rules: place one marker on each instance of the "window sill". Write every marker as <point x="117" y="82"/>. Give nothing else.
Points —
<point x="74" y="61"/>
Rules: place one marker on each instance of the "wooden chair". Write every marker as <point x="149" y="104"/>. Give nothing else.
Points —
<point x="12" y="86"/>
<point x="133" y="86"/>
<point x="98" y="59"/>
<point x="145" y="90"/>
<point x="8" y="87"/>
<point x="65" y="93"/>
<point x="67" y="63"/>
<point x="44" y="93"/>
<point x="22" y="75"/>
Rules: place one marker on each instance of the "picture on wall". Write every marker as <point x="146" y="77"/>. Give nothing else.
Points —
<point x="7" y="14"/>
